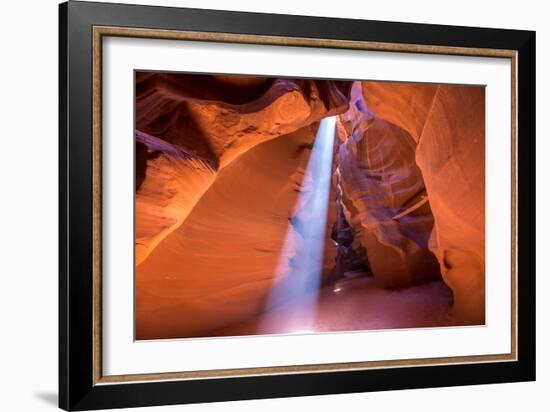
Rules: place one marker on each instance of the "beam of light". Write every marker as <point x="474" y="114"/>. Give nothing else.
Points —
<point x="299" y="270"/>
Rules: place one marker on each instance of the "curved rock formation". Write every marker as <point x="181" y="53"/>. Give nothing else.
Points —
<point x="406" y="106"/>
<point x="169" y="182"/>
<point x="219" y="119"/>
<point x="451" y="155"/>
<point x="450" y="130"/>
<point x="385" y="198"/>
<point x="203" y="123"/>
<point x="218" y="266"/>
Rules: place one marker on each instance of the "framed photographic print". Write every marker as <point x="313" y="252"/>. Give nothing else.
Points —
<point x="257" y="205"/>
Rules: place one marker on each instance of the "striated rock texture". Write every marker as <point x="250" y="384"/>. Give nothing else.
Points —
<point x="384" y="196"/>
<point x="191" y="126"/>
<point x="450" y="130"/>
<point x="220" y="119"/>
<point x="169" y="182"/>
<point x="217" y="268"/>
<point x="451" y="155"/>
<point x="406" y="106"/>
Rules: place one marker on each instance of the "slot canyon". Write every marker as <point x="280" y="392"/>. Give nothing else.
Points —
<point x="279" y="205"/>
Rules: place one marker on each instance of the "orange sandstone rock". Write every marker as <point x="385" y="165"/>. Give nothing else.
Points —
<point x="448" y="122"/>
<point x="406" y="105"/>
<point x="212" y="120"/>
<point x="451" y="155"/>
<point x="217" y="267"/>
<point x="170" y="182"/>
<point x="385" y="197"/>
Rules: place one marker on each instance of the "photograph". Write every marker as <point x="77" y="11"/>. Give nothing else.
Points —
<point x="274" y="205"/>
<point x="216" y="206"/>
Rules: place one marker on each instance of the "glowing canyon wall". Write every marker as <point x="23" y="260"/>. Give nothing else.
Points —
<point x="449" y="131"/>
<point x="202" y="265"/>
<point x="220" y="163"/>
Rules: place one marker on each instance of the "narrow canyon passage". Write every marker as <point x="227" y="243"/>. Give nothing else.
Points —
<point x="306" y="206"/>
